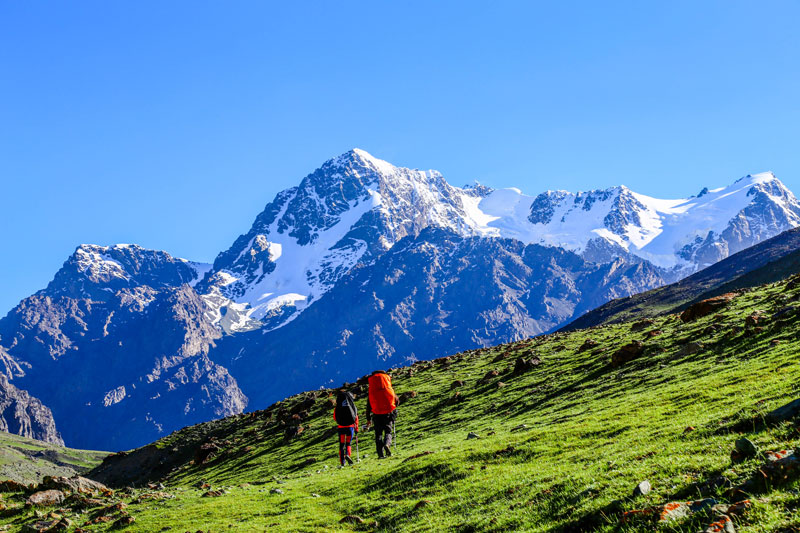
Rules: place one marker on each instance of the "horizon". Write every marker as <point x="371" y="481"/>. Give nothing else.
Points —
<point x="171" y="126"/>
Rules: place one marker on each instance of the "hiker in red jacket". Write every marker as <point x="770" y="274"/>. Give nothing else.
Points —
<point x="345" y="415"/>
<point x="382" y="407"/>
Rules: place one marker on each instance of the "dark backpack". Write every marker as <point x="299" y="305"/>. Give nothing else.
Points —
<point x="346" y="411"/>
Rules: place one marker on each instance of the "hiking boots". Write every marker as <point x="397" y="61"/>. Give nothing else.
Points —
<point x="387" y="451"/>
<point x="349" y="459"/>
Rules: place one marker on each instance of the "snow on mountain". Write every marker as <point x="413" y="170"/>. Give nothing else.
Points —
<point x="355" y="207"/>
<point x="99" y="271"/>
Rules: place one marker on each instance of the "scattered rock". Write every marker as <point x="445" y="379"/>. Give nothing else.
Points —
<point x="500" y="384"/>
<point x="276" y="491"/>
<point x="781" y="467"/>
<point x="670" y="511"/>
<point x="213" y="494"/>
<point x="38" y="526"/>
<point x="456" y="384"/>
<point x="293" y="432"/>
<point x="417" y="456"/>
<point x="315" y="495"/>
<point x="743" y="449"/>
<point x="408" y="395"/>
<point x="627" y="353"/>
<point x="205" y="453"/>
<point x="654" y="333"/>
<point x="45" y="498"/>
<point x="706" y="307"/>
<point x="472" y="435"/>
<point x="786" y="412"/>
<point x="73" y="484"/>
<point x="10" y="485"/>
<point x="641" y="324"/>
<point x="488" y="377"/>
<point x="519" y="427"/>
<point x="588" y="344"/>
<point x="689" y="429"/>
<point x="690" y="348"/>
<point x="642" y="488"/>
<point x="754" y="319"/>
<point x="351" y="519"/>
<point x="523" y="365"/>
<point x="722" y="524"/>
<point x="456" y="398"/>
<point x="422" y="503"/>
<point x="124" y="521"/>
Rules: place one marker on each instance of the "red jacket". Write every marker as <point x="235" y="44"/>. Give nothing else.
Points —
<point x="350" y="426"/>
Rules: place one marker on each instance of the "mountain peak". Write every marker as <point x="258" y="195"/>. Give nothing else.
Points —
<point x="361" y="158"/>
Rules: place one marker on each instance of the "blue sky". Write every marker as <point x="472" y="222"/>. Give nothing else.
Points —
<point x="172" y="124"/>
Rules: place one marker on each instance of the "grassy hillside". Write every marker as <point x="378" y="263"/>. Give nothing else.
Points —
<point x="27" y="460"/>
<point x="767" y="262"/>
<point x="562" y="444"/>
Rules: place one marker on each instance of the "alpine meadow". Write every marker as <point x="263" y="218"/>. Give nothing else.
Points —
<point x="237" y="298"/>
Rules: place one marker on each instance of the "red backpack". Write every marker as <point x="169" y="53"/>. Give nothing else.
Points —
<point x="381" y="394"/>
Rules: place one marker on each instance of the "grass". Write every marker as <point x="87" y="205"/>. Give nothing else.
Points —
<point x="27" y="460"/>
<point x="591" y="434"/>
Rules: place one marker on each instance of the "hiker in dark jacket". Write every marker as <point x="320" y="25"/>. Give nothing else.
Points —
<point x="382" y="407"/>
<point x="347" y="425"/>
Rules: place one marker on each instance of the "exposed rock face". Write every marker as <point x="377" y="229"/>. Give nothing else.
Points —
<point x="22" y="414"/>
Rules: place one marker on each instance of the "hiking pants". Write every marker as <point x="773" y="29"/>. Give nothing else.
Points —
<point x="345" y="438"/>
<point x="384" y="424"/>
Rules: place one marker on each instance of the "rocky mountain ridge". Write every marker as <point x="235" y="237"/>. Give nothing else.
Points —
<point x="363" y="264"/>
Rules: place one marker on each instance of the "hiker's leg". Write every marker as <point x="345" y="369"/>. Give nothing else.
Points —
<point x="379" y="436"/>
<point x="341" y="448"/>
<point x="387" y="440"/>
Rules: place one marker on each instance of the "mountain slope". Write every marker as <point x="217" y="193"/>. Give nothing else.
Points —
<point x="27" y="460"/>
<point x="363" y="263"/>
<point x="769" y="261"/>
<point x="23" y="415"/>
<point x="560" y="445"/>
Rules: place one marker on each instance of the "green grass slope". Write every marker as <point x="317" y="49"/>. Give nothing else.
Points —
<point x="28" y="460"/>
<point x="562" y="444"/>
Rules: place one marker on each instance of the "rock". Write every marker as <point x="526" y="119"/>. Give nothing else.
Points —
<point x="706" y="307"/>
<point x="500" y="384"/>
<point x="641" y="324"/>
<point x="45" y="498"/>
<point x="62" y="525"/>
<point x="293" y="432"/>
<point x="472" y="435"/>
<point x="310" y="461"/>
<point x="124" y="521"/>
<point x="276" y="491"/>
<point x="654" y="333"/>
<point x="743" y="449"/>
<point x="422" y="503"/>
<point x="519" y="427"/>
<point x="588" y="344"/>
<point x="523" y="365"/>
<point x="456" y="384"/>
<point x="689" y="429"/>
<point x="38" y="526"/>
<point x="10" y="485"/>
<point x="408" y="395"/>
<point x="73" y="484"/>
<point x="488" y="377"/>
<point x="212" y="494"/>
<point x="205" y="453"/>
<point x="722" y="524"/>
<point x="753" y="320"/>
<point x="786" y="412"/>
<point x="315" y="495"/>
<point x="351" y="519"/>
<point x="785" y="312"/>
<point x="668" y="512"/>
<point x="642" y="488"/>
<point x="780" y="468"/>
<point x="455" y="398"/>
<point x="627" y="353"/>
<point x="690" y="348"/>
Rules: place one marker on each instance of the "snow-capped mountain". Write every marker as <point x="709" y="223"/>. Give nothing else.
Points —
<point x="362" y="264"/>
<point x="356" y="206"/>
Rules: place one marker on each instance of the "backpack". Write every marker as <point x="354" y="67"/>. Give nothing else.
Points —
<point x="345" y="411"/>
<point x="381" y="394"/>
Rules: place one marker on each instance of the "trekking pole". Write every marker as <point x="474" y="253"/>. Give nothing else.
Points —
<point x="358" y="455"/>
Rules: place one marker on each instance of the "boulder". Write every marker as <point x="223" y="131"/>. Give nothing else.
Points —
<point x="627" y="353"/>
<point x="38" y="526"/>
<point x="785" y="412"/>
<point x="706" y="307"/>
<point x="472" y="435"/>
<point x="205" y="453"/>
<point x="422" y="503"/>
<point x="73" y="484"/>
<point x="408" y="395"/>
<point x="456" y="384"/>
<point x="276" y="491"/>
<point x="45" y="498"/>
<point x="523" y="365"/>
<point x="488" y="377"/>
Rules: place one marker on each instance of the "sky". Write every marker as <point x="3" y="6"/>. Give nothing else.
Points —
<point x="172" y="124"/>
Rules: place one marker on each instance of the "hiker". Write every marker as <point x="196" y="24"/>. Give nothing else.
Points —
<point x="345" y="415"/>
<point x="382" y="406"/>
